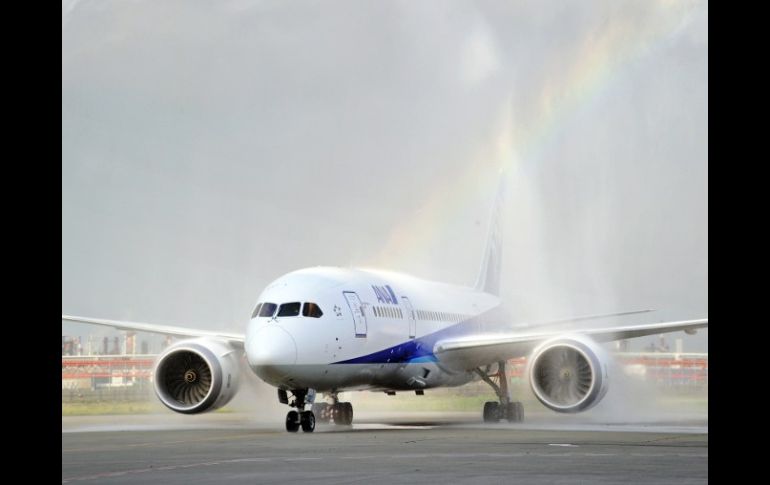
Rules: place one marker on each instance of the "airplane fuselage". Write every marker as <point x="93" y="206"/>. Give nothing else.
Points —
<point x="377" y="330"/>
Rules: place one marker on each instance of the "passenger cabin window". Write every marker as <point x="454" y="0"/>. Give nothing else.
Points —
<point x="311" y="310"/>
<point x="289" y="309"/>
<point x="256" y="310"/>
<point x="268" y="309"/>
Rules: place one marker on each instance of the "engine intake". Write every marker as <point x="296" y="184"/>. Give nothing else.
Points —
<point x="195" y="376"/>
<point x="569" y="375"/>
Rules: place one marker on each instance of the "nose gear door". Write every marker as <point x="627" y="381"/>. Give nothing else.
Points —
<point x="359" y="318"/>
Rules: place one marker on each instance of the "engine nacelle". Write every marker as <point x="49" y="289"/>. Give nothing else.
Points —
<point x="569" y="374"/>
<point x="197" y="375"/>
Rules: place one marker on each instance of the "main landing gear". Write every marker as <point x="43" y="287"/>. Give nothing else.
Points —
<point x="295" y="419"/>
<point x="339" y="412"/>
<point x="513" y="412"/>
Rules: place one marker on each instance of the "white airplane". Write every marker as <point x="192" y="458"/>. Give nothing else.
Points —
<point x="329" y="330"/>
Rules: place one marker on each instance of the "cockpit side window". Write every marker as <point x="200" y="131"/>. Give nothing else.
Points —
<point x="256" y="310"/>
<point x="311" y="310"/>
<point x="289" y="309"/>
<point x="267" y="309"/>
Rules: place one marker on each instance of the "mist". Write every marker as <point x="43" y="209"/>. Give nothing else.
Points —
<point x="210" y="147"/>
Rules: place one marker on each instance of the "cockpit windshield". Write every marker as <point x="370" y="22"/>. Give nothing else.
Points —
<point x="311" y="310"/>
<point x="292" y="309"/>
<point x="256" y="310"/>
<point x="289" y="309"/>
<point x="268" y="309"/>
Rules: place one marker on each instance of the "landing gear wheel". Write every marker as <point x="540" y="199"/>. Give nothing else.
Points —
<point x="292" y="421"/>
<point x="307" y="421"/>
<point x="322" y="412"/>
<point x="348" y="413"/>
<point x="511" y="412"/>
<point x="491" y="412"/>
<point x="343" y="413"/>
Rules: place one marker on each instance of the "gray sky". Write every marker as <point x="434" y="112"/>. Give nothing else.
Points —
<point x="210" y="147"/>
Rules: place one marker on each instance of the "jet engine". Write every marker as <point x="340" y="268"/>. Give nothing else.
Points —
<point x="569" y="374"/>
<point x="197" y="375"/>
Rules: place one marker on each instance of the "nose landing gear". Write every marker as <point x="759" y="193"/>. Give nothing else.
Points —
<point x="340" y="413"/>
<point x="294" y="419"/>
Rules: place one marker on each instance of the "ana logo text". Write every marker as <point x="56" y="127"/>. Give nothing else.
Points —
<point x="385" y="294"/>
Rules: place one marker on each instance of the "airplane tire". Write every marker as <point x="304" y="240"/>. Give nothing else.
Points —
<point x="512" y="412"/>
<point x="292" y="422"/>
<point x="347" y="413"/>
<point x="307" y="421"/>
<point x="491" y="412"/>
<point x="342" y="412"/>
<point x="338" y="413"/>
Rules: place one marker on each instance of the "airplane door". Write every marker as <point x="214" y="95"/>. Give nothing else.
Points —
<point x="359" y="319"/>
<point x="410" y="316"/>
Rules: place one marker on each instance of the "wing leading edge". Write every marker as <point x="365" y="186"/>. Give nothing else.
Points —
<point x="472" y="352"/>
<point x="236" y="339"/>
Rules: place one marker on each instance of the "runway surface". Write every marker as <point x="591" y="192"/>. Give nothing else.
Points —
<point x="384" y="448"/>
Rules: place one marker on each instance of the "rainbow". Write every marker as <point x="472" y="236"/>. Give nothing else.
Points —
<point x="601" y="55"/>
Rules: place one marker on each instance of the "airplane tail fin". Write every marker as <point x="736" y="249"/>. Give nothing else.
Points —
<point x="488" y="279"/>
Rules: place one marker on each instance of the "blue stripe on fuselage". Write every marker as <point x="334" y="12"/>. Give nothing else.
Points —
<point x="421" y="349"/>
<point x="427" y="358"/>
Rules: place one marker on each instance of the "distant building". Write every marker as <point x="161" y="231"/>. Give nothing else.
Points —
<point x="71" y="345"/>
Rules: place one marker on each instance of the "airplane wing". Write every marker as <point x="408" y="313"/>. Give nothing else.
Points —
<point x="471" y="352"/>
<point x="236" y="339"/>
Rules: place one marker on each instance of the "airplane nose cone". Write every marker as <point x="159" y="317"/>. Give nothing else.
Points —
<point x="271" y="345"/>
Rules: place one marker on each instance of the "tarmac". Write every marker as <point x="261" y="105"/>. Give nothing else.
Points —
<point x="378" y="448"/>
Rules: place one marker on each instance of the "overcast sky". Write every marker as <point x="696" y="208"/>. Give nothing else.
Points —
<point x="210" y="147"/>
